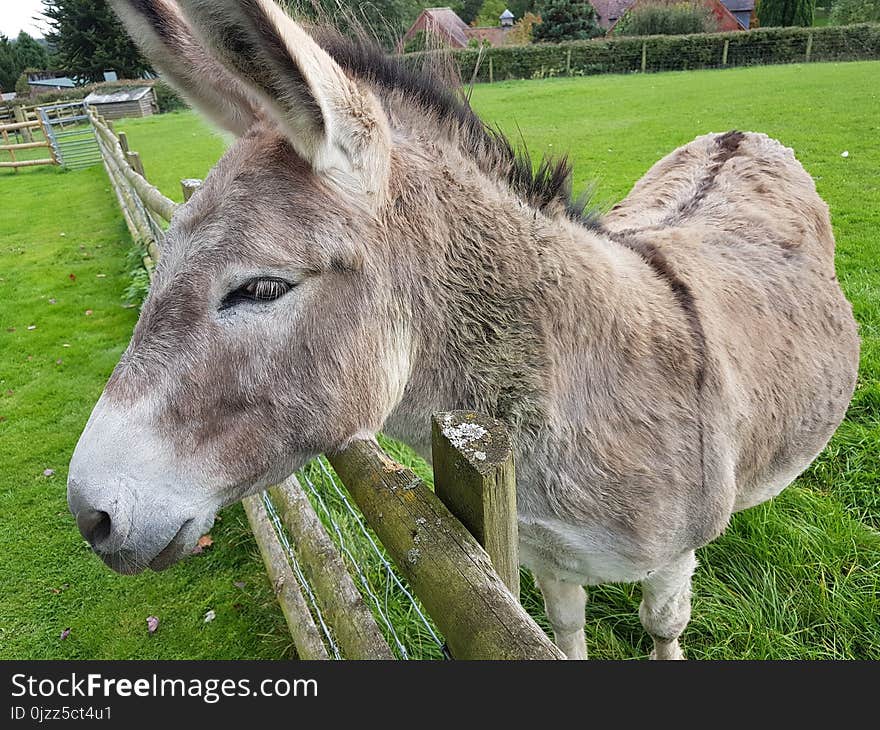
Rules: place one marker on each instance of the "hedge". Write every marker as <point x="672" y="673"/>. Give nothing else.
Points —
<point x="671" y="53"/>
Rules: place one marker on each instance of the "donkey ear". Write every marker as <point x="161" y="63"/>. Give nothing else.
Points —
<point x="164" y="37"/>
<point x="334" y="123"/>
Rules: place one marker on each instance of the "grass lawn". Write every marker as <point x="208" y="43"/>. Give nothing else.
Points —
<point x="799" y="577"/>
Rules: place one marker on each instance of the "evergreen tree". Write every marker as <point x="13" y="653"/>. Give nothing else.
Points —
<point x="30" y="53"/>
<point x="566" y="20"/>
<point x="785" y="12"/>
<point x="9" y="70"/>
<point x="89" y="39"/>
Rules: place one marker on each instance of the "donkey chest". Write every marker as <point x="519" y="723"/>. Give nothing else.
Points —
<point x="586" y="554"/>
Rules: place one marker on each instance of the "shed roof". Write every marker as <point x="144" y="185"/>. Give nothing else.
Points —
<point x="62" y="81"/>
<point x="118" y="96"/>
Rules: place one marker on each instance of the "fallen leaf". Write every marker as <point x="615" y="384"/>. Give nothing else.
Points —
<point x="239" y="584"/>
<point x="52" y="301"/>
<point x="10" y="329"/>
<point x="10" y="392"/>
<point x="32" y="326"/>
<point x="65" y="634"/>
<point x="152" y="624"/>
<point x="30" y="357"/>
<point x="48" y="472"/>
<point x="101" y="276"/>
<point x="205" y="541"/>
<point x="62" y="234"/>
<point x="65" y="345"/>
<point x="89" y="313"/>
<point x="2" y="418"/>
<point x="72" y="277"/>
<point x="210" y="616"/>
<point x="57" y="591"/>
<point x="59" y="361"/>
<point x="845" y="153"/>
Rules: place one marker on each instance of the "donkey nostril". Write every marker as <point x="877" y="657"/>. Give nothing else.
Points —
<point x="94" y="526"/>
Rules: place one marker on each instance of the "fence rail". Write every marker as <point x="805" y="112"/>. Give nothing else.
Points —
<point x="330" y="612"/>
<point x="26" y="129"/>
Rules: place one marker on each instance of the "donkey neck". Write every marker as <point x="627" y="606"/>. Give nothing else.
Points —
<point x="503" y="302"/>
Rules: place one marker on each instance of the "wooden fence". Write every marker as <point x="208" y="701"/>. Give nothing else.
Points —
<point x="456" y="546"/>
<point x="25" y="129"/>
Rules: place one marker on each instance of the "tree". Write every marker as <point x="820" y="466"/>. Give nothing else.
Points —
<point x="22" y="87"/>
<point x="846" y="12"/>
<point x="566" y="20"/>
<point x="490" y="13"/>
<point x="521" y="33"/>
<point x="785" y="12"/>
<point x="384" y="20"/>
<point x="666" y="17"/>
<point x="30" y="53"/>
<point x="8" y="64"/>
<point x="89" y="39"/>
<point x="468" y="10"/>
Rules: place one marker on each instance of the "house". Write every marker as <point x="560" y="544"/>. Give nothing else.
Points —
<point x="609" y="11"/>
<point x="743" y="11"/>
<point x="730" y="14"/>
<point x="120" y="103"/>
<point x="450" y="30"/>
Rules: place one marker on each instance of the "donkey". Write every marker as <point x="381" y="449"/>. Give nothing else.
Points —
<point x="369" y="252"/>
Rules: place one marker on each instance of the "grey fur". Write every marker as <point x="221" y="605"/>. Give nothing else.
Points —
<point x="685" y="359"/>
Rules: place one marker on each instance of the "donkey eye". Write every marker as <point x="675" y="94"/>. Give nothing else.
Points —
<point x="257" y="290"/>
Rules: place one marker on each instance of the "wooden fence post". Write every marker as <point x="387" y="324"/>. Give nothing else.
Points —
<point x="724" y="52"/>
<point x="446" y="567"/>
<point x="491" y="71"/>
<point x="6" y="143"/>
<point x="20" y="116"/>
<point x="134" y="161"/>
<point x="474" y="477"/>
<point x="123" y="141"/>
<point x="809" y="48"/>
<point x="189" y="185"/>
<point x="568" y="62"/>
<point x="644" y="55"/>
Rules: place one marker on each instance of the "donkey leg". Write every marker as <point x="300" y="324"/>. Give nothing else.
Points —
<point x="564" y="604"/>
<point x="666" y="605"/>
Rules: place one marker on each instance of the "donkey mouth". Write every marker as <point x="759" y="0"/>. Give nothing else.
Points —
<point x="174" y="550"/>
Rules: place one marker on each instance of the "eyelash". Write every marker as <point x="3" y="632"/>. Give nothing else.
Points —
<point x="257" y="290"/>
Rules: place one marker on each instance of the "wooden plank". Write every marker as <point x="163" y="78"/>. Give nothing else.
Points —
<point x="23" y="145"/>
<point x="474" y="476"/>
<point x="444" y="564"/>
<point x="27" y="163"/>
<point x="342" y="605"/>
<point x="20" y="125"/>
<point x="306" y="637"/>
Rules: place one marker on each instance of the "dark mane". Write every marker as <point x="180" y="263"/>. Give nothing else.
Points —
<point x="544" y="187"/>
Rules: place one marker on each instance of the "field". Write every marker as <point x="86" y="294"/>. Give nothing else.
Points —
<point x="796" y="578"/>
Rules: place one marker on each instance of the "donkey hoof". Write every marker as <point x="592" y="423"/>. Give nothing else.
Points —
<point x="667" y="651"/>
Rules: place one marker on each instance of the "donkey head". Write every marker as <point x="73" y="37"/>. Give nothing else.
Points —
<point x="251" y="354"/>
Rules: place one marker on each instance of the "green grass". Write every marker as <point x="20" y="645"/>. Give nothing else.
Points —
<point x="797" y="577"/>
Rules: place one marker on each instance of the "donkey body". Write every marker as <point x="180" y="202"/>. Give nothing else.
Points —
<point x="367" y="253"/>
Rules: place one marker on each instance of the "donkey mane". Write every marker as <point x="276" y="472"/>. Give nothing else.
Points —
<point x="546" y="188"/>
